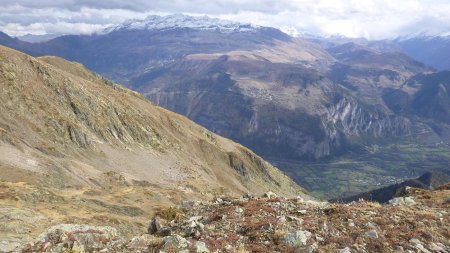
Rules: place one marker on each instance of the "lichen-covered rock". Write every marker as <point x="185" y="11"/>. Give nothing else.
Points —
<point x="142" y="242"/>
<point x="297" y="239"/>
<point x="372" y="234"/>
<point x="200" y="247"/>
<point x="174" y="243"/>
<point x="270" y="195"/>
<point x="345" y="250"/>
<point x="80" y="238"/>
<point x="402" y="201"/>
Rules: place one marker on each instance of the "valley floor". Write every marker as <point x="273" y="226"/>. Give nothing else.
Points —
<point x="355" y="173"/>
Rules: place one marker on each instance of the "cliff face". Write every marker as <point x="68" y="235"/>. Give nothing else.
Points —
<point x="352" y="119"/>
<point x="356" y="122"/>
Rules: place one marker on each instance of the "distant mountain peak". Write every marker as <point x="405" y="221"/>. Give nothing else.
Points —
<point x="38" y="37"/>
<point x="423" y="36"/>
<point x="176" y="21"/>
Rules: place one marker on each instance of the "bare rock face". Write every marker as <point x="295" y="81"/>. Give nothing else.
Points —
<point x="351" y="119"/>
<point x="78" y="137"/>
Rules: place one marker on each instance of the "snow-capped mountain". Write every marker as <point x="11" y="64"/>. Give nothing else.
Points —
<point x="423" y="36"/>
<point x="176" y="21"/>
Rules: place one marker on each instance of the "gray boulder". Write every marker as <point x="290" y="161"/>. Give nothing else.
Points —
<point x="174" y="243"/>
<point x="157" y="226"/>
<point x="81" y="238"/>
<point x="297" y="239"/>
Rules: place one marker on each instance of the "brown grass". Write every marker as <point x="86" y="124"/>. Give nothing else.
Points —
<point x="169" y="214"/>
<point x="257" y="248"/>
<point x="214" y="244"/>
<point x="256" y="206"/>
<point x="219" y="213"/>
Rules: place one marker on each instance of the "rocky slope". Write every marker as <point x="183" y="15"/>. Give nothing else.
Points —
<point x="273" y="224"/>
<point x="77" y="147"/>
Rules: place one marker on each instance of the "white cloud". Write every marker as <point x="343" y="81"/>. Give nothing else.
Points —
<point x="373" y="19"/>
<point x="52" y="28"/>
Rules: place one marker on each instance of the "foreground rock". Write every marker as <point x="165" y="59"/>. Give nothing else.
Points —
<point x="77" y="238"/>
<point x="274" y="224"/>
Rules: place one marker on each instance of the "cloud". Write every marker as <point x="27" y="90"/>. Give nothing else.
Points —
<point x="373" y="19"/>
<point x="190" y="6"/>
<point x="53" y="28"/>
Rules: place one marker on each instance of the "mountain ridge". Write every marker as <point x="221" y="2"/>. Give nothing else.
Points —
<point x="179" y="21"/>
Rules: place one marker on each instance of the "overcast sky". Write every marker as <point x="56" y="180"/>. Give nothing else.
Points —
<point x="372" y="19"/>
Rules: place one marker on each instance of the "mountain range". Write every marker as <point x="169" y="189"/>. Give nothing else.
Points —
<point x="338" y="116"/>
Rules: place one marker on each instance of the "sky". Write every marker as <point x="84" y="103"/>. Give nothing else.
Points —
<point x="370" y="19"/>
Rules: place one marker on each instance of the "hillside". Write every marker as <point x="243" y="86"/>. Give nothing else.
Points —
<point x="75" y="147"/>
